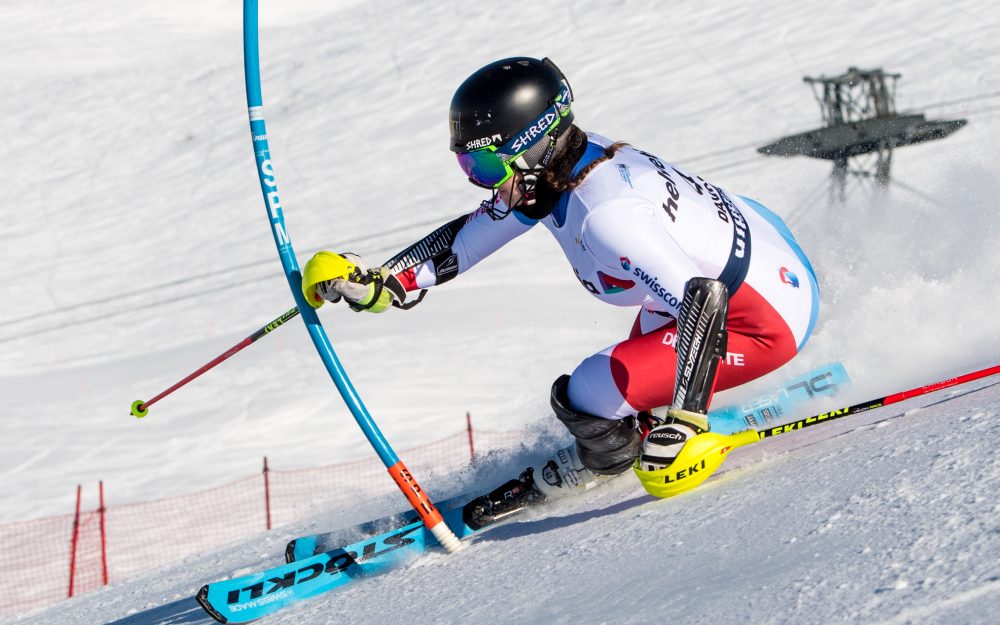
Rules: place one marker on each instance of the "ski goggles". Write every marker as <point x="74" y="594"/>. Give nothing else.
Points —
<point x="489" y="167"/>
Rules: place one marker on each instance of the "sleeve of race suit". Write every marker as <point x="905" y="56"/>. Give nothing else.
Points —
<point x="454" y="248"/>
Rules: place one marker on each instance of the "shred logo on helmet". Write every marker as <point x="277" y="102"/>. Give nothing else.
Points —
<point x="483" y="142"/>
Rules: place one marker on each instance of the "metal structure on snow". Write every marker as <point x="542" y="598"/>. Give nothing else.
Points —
<point x="862" y="128"/>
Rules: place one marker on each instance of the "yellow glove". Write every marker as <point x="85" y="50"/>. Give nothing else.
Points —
<point x="330" y="277"/>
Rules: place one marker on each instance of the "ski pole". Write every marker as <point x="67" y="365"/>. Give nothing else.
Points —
<point x="878" y="403"/>
<point x="416" y="496"/>
<point x="704" y="453"/>
<point x="140" y="408"/>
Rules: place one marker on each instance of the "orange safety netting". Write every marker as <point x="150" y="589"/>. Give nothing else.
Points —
<point x="39" y="564"/>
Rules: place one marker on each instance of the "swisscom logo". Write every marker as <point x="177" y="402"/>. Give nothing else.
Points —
<point x="626" y="263"/>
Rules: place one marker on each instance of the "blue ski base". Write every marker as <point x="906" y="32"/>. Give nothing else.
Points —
<point x="244" y="599"/>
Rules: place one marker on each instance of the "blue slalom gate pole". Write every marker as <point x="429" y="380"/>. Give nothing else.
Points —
<point x="268" y="186"/>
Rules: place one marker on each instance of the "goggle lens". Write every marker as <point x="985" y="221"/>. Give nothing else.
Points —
<point x="484" y="168"/>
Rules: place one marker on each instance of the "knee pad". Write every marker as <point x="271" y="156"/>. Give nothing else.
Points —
<point x="605" y="446"/>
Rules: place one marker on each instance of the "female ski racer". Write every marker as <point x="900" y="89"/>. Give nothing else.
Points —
<point x="637" y="231"/>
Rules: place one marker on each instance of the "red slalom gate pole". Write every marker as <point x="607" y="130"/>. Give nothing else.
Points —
<point x="73" y="541"/>
<point x="140" y="408"/>
<point x="267" y="493"/>
<point x="472" y="447"/>
<point x="104" y="536"/>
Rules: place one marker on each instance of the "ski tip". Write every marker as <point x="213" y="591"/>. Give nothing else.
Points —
<point x="139" y="409"/>
<point x="206" y="605"/>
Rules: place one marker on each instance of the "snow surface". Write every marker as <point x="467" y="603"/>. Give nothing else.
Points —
<point x="135" y="249"/>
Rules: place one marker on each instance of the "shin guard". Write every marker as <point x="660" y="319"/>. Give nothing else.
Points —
<point x="701" y="343"/>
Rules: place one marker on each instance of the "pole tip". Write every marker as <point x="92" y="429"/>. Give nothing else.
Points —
<point x="139" y="409"/>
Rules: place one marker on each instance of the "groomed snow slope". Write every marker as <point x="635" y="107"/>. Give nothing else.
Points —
<point x="890" y="517"/>
<point x="135" y="249"/>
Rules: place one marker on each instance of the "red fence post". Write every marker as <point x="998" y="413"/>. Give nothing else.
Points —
<point x="472" y="447"/>
<point x="72" y="547"/>
<point x="104" y="540"/>
<point x="267" y="494"/>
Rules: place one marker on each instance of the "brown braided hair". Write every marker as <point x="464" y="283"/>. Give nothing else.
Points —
<point x="557" y="176"/>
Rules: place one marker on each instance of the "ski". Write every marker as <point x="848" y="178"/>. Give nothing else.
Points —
<point x="250" y="597"/>
<point x="771" y="408"/>
<point x="785" y="402"/>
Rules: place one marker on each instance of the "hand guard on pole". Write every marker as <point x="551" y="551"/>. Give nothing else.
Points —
<point x="330" y="277"/>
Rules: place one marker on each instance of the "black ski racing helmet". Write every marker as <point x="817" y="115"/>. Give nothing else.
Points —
<point x="500" y="115"/>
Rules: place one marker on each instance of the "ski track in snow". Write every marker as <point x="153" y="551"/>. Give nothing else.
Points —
<point x="135" y="249"/>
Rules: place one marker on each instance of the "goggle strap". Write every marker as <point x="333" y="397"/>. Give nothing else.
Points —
<point x="548" y="62"/>
<point x="549" y="152"/>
